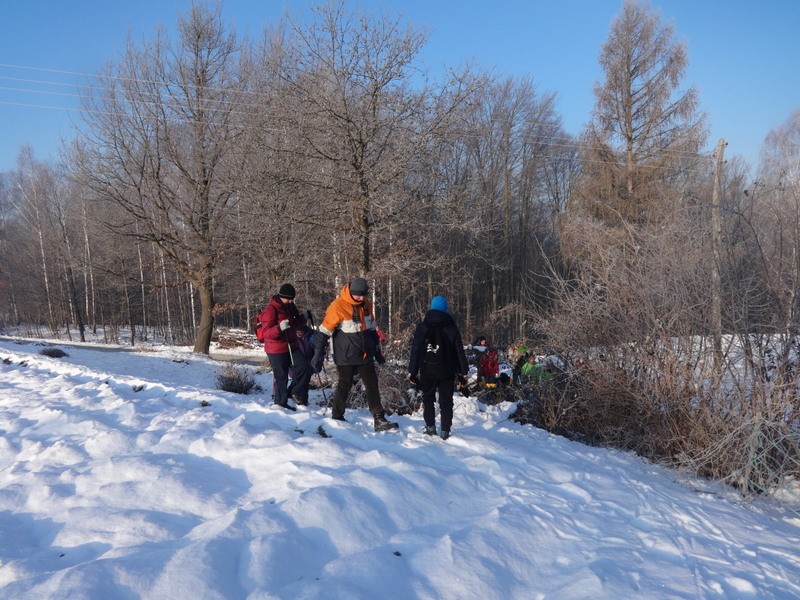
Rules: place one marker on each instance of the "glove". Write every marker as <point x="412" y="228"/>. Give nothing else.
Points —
<point x="321" y="341"/>
<point x="316" y="361"/>
<point x="284" y="325"/>
<point x="463" y="388"/>
<point x="379" y="357"/>
<point x="413" y="380"/>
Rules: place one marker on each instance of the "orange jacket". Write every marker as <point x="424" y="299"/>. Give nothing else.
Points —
<point x="352" y="326"/>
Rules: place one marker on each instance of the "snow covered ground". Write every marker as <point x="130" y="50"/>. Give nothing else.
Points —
<point x="109" y="492"/>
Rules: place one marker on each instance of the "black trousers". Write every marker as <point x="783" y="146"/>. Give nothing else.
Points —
<point x="301" y="374"/>
<point x="370" y="380"/>
<point x="445" y="389"/>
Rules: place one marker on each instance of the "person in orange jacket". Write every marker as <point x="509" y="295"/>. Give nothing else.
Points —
<point x="349" y="321"/>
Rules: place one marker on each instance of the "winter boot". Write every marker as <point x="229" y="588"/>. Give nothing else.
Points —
<point x="429" y="430"/>
<point x="287" y="406"/>
<point x="381" y="424"/>
<point x="445" y="434"/>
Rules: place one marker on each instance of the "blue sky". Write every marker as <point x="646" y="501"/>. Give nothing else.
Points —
<point x="743" y="55"/>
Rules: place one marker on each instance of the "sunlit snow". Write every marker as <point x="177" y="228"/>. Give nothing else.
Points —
<point x="108" y="492"/>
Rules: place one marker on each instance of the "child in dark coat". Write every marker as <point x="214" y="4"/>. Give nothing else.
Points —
<point x="437" y="357"/>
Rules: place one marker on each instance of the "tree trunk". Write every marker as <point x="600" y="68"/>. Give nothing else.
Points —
<point x="130" y="314"/>
<point x="716" y="242"/>
<point x="365" y="238"/>
<point x="88" y="274"/>
<point x="142" y="289"/>
<point x="202" y="342"/>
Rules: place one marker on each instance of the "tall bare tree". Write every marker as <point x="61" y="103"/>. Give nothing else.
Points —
<point x="356" y="125"/>
<point x="513" y="150"/>
<point x="7" y="275"/>
<point x="640" y="165"/>
<point x="780" y="156"/>
<point x="35" y="193"/>
<point x="776" y="220"/>
<point x="162" y="142"/>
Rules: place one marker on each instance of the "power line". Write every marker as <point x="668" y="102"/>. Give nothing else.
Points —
<point x="551" y="144"/>
<point x="563" y="141"/>
<point x="128" y="79"/>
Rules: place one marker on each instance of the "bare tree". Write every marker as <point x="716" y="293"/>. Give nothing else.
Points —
<point x="356" y="126"/>
<point x="641" y="173"/>
<point x="162" y="142"/>
<point x="780" y="156"/>
<point x="7" y="252"/>
<point x="494" y="190"/>
<point x="34" y="193"/>
<point x="775" y="218"/>
<point x="66" y="219"/>
<point x="645" y="132"/>
<point x="634" y="292"/>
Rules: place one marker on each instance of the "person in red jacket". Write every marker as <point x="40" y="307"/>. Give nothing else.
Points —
<point x="487" y="363"/>
<point x="282" y="326"/>
<point x="356" y="347"/>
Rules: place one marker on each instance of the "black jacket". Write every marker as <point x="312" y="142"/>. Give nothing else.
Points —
<point x="455" y="346"/>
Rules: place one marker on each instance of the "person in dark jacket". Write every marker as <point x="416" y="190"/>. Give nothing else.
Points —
<point x="437" y="375"/>
<point x="356" y="347"/>
<point x="282" y="328"/>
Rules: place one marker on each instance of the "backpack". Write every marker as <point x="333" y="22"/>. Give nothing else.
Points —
<point x="260" y="326"/>
<point x="435" y="355"/>
<point x="306" y="343"/>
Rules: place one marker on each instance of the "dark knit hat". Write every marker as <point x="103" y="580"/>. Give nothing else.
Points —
<point x="287" y="291"/>
<point x="359" y="287"/>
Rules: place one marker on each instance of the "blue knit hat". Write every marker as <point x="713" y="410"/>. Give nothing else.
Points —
<point x="439" y="303"/>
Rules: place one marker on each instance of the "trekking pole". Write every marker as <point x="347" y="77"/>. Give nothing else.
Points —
<point x="310" y="317"/>
<point x="289" y="346"/>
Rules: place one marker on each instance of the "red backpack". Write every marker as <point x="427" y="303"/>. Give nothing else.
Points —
<point x="259" y="327"/>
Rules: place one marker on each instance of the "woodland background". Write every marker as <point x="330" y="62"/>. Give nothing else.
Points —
<point x="209" y="169"/>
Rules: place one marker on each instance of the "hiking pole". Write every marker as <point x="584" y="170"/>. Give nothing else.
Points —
<point x="310" y="317"/>
<point x="291" y="363"/>
<point x="289" y="345"/>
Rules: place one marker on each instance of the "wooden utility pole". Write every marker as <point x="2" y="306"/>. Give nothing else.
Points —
<point x="716" y="245"/>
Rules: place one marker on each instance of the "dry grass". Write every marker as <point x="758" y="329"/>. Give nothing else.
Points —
<point x="236" y="379"/>
<point x="636" y="308"/>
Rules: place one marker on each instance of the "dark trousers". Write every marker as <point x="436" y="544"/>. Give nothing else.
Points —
<point x="301" y="374"/>
<point x="369" y="378"/>
<point x="445" y="387"/>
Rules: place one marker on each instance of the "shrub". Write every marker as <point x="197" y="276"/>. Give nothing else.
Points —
<point x="53" y="352"/>
<point x="395" y="390"/>
<point x="232" y="378"/>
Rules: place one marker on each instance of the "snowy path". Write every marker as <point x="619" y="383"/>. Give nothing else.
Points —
<point x="108" y="492"/>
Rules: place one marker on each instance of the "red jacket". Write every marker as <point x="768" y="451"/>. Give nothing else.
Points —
<point x="488" y="367"/>
<point x="275" y="340"/>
